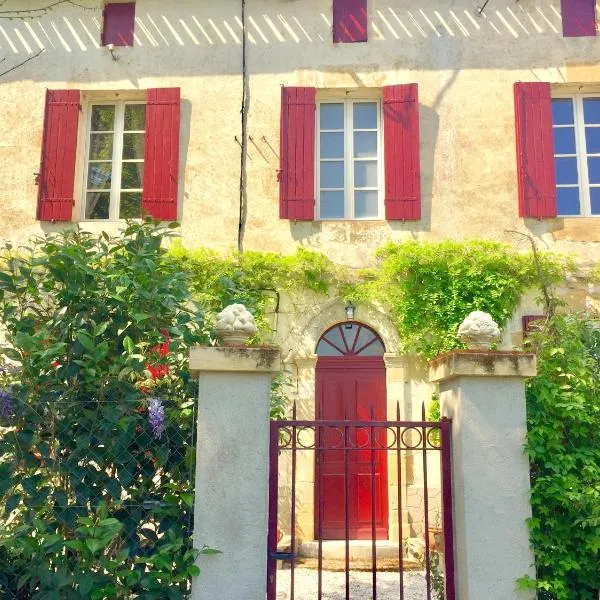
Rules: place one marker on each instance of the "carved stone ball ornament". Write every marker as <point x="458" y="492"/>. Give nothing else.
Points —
<point x="479" y="331"/>
<point x="235" y="324"/>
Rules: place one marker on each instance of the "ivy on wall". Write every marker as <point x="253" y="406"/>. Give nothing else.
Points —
<point x="428" y="287"/>
<point x="563" y="443"/>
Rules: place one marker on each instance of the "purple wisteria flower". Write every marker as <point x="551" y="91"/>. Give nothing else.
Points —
<point x="7" y="410"/>
<point x="156" y="416"/>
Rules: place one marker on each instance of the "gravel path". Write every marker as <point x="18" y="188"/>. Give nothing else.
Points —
<point x="334" y="585"/>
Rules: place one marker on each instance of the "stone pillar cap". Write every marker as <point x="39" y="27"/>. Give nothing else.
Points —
<point x="255" y="359"/>
<point x="480" y="363"/>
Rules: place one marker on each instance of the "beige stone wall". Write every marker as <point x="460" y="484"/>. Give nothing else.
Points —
<point x="465" y="67"/>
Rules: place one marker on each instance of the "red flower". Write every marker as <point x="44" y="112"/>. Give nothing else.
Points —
<point x="160" y="370"/>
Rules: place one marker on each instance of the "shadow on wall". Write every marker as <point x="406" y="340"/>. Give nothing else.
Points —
<point x="206" y="39"/>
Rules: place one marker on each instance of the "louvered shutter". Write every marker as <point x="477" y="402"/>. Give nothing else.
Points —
<point x="578" y="18"/>
<point x="297" y="154"/>
<point x="535" y="150"/>
<point x="118" y="22"/>
<point x="401" y="152"/>
<point x="161" y="154"/>
<point x="59" y="146"/>
<point x="350" y="21"/>
<point x="530" y="323"/>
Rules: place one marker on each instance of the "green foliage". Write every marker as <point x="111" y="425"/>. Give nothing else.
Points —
<point x="431" y="287"/>
<point x="95" y="504"/>
<point x="255" y="279"/>
<point x="279" y="399"/>
<point x="563" y="443"/>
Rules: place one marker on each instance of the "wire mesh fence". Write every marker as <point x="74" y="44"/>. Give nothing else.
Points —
<point x="96" y="497"/>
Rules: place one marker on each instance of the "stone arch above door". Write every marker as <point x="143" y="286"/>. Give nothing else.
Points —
<point x="307" y="327"/>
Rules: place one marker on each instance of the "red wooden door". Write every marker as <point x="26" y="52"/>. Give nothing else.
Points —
<point x="351" y="386"/>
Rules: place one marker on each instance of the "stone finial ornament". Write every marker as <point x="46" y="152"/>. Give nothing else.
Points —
<point x="479" y="331"/>
<point x="235" y="324"/>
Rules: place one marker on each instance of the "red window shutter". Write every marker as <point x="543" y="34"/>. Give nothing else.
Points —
<point x="161" y="154"/>
<point x="535" y="150"/>
<point x="350" y="21"/>
<point x="578" y="17"/>
<point x="118" y="24"/>
<point x="531" y="323"/>
<point x="59" y="146"/>
<point x="401" y="152"/>
<point x="297" y="154"/>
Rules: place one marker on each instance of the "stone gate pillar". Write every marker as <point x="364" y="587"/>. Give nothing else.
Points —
<point x="483" y="392"/>
<point x="232" y="451"/>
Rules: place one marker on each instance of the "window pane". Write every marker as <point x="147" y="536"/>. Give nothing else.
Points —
<point x="594" y="169"/>
<point x="332" y="175"/>
<point x="595" y="200"/>
<point x="365" y="144"/>
<point x="103" y="118"/>
<point x="365" y="173"/>
<point x="567" y="201"/>
<point x="566" y="170"/>
<point x="562" y="111"/>
<point x="365" y="204"/>
<point x="132" y="176"/>
<point x="101" y="146"/>
<point x="564" y="140"/>
<point x="365" y="115"/>
<point x="133" y="145"/>
<point x="332" y="116"/>
<point x="591" y="110"/>
<point x="375" y="349"/>
<point x="592" y="140"/>
<point x="131" y="205"/>
<point x="97" y="205"/>
<point x="99" y="175"/>
<point x="332" y="145"/>
<point x="331" y="205"/>
<point x="135" y="117"/>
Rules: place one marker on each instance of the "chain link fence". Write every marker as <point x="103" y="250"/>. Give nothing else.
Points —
<point x="96" y="497"/>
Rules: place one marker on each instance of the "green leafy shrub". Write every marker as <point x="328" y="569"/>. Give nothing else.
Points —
<point x="432" y="286"/>
<point x="563" y="443"/>
<point x="96" y="498"/>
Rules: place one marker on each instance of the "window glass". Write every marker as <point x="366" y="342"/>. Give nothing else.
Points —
<point x="567" y="199"/>
<point x="349" y="161"/>
<point x="564" y="140"/>
<point x="576" y="131"/>
<point x="592" y="140"/>
<point x="332" y="145"/>
<point x="332" y="174"/>
<point x="365" y="115"/>
<point x="595" y="200"/>
<point x="332" y="205"/>
<point x="591" y="110"/>
<point x="365" y="203"/>
<point x="562" y="111"/>
<point x="594" y="169"/>
<point x="332" y="116"/>
<point x="114" y="187"/>
<point x="365" y="173"/>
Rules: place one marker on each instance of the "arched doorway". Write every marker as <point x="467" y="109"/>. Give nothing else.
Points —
<point x="350" y="386"/>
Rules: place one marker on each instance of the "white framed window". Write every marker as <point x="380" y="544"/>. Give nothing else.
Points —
<point x="114" y="164"/>
<point x="576" y="129"/>
<point x="349" y="159"/>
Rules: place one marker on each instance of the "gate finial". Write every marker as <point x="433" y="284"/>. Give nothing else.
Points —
<point x="479" y="331"/>
<point x="235" y="324"/>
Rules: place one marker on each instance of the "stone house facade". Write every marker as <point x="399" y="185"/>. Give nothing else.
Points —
<point x="353" y="123"/>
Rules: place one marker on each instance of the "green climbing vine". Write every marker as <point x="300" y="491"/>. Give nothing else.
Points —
<point x="428" y="287"/>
